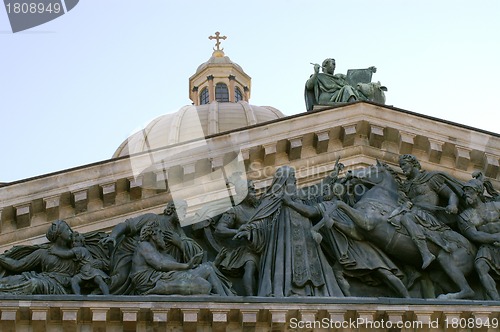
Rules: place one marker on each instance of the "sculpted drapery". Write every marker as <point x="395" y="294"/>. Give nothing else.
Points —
<point x="283" y="247"/>
<point x="126" y="237"/>
<point x="291" y="263"/>
<point x="40" y="272"/>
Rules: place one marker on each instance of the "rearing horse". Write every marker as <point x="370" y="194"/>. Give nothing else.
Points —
<point x="371" y="215"/>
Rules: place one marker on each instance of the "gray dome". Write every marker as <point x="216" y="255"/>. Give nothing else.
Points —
<point x="192" y="122"/>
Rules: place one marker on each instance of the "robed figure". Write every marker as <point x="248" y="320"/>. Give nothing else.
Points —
<point x="291" y="263"/>
<point x="327" y="88"/>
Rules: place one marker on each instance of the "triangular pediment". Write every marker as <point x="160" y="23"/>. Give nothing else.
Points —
<point x="98" y="196"/>
<point x="93" y="199"/>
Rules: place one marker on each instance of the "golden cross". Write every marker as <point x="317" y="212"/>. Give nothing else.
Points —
<point x="217" y="37"/>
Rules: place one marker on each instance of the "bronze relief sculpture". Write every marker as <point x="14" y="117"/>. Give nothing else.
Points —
<point x="423" y="234"/>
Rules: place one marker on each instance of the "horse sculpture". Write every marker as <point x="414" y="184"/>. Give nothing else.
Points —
<point x="371" y="213"/>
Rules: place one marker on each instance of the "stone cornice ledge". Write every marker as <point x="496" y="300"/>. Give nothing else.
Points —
<point x="214" y="313"/>
<point x="9" y="300"/>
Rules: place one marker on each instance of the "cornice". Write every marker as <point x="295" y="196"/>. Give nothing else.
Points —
<point x="137" y="313"/>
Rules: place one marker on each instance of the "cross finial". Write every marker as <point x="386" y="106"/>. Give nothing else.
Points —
<point x="217" y="38"/>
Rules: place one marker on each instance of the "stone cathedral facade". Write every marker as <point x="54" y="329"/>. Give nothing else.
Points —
<point x="190" y="155"/>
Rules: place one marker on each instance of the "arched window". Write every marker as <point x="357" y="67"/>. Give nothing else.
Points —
<point x="204" y="96"/>
<point x="221" y="92"/>
<point x="237" y="94"/>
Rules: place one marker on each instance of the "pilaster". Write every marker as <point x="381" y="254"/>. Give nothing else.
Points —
<point x="231" y="88"/>
<point x="194" y="95"/>
<point x="211" y="88"/>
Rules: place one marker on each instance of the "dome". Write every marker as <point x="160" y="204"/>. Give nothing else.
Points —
<point x="192" y="122"/>
<point x="220" y="92"/>
<point x="218" y="59"/>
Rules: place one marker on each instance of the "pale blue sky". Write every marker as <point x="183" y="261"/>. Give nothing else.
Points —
<point x="73" y="89"/>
